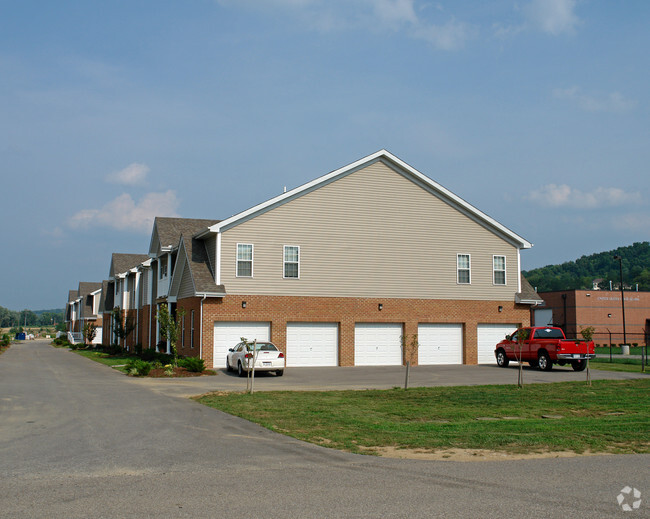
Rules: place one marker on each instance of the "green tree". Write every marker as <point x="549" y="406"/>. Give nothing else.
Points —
<point x="89" y="332"/>
<point x="170" y="327"/>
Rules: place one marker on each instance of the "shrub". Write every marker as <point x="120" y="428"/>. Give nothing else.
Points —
<point x="152" y="355"/>
<point x="5" y="341"/>
<point x="193" y="364"/>
<point x="138" y="368"/>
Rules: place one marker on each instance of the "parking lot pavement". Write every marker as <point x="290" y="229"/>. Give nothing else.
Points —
<point x="373" y="377"/>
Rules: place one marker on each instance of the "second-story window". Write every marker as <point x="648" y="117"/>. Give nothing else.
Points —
<point x="464" y="269"/>
<point x="291" y="261"/>
<point x="499" y="266"/>
<point x="163" y="267"/>
<point x="244" y="260"/>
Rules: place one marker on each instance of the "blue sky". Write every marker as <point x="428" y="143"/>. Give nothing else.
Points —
<point x="534" y="111"/>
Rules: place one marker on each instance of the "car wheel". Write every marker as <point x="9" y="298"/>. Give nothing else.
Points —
<point x="544" y="362"/>
<point x="279" y="372"/>
<point x="240" y="369"/>
<point x="579" y="365"/>
<point x="228" y="366"/>
<point x="502" y="359"/>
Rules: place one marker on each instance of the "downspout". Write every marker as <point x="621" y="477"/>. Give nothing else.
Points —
<point x="201" y="330"/>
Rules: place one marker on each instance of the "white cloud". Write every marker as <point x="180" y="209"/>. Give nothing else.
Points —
<point x="394" y="10"/>
<point x="614" y="102"/>
<point x="450" y="36"/>
<point x="133" y="174"/>
<point x="123" y="213"/>
<point x="552" y="16"/>
<point x="554" y="195"/>
<point x="397" y="15"/>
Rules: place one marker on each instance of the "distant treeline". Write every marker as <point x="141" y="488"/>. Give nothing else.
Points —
<point x="10" y="318"/>
<point x="582" y="273"/>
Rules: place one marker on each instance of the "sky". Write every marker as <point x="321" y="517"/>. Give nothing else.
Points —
<point x="111" y="113"/>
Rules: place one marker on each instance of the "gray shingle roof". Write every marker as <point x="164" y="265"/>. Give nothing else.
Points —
<point x="121" y="263"/>
<point x="72" y="295"/>
<point x="527" y="294"/>
<point x="199" y="265"/>
<point x="170" y="229"/>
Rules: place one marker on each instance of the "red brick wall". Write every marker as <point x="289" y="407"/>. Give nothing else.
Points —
<point x="347" y="311"/>
<point x="190" y="349"/>
<point x="601" y="309"/>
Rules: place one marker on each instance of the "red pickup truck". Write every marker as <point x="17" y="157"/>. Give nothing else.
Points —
<point x="543" y="347"/>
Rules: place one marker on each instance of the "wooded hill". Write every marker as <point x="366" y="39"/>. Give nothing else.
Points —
<point x="580" y="274"/>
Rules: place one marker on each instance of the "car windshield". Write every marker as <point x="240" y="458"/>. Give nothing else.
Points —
<point x="265" y="346"/>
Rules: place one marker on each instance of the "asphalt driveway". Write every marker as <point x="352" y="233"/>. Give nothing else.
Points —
<point x="78" y="439"/>
<point x="374" y="377"/>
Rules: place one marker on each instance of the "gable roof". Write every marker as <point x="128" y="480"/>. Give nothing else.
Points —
<point x="193" y="259"/>
<point x="167" y="231"/>
<point x="73" y="295"/>
<point x="121" y="263"/>
<point x="397" y="165"/>
<point x="528" y="295"/>
<point x="103" y="296"/>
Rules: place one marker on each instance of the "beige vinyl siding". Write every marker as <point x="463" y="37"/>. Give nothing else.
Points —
<point x="186" y="288"/>
<point x="373" y="233"/>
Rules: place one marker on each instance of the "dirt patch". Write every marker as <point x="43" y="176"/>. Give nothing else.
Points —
<point x="179" y="373"/>
<point x="467" y="454"/>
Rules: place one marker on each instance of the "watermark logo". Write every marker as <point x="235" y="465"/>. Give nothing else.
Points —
<point x="629" y="499"/>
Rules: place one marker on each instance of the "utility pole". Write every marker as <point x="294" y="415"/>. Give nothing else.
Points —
<point x="620" y="265"/>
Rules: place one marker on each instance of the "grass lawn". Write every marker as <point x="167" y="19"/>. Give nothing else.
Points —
<point x="618" y="364"/>
<point x="617" y="351"/>
<point x="104" y="358"/>
<point x="610" y="416"/>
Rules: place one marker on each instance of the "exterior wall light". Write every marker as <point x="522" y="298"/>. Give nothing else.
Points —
<point x="380" y="306"/>
<point x="500" y="309"/>
<point x="243" y="304"/>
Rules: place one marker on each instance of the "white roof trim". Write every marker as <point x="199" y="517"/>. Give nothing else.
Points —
<point x="381" y="154"/>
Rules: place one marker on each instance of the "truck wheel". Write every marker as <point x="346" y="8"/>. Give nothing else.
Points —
<point x="544" y="362"/>
<point x="579" y="365"/>
<point x="502" y="359"/>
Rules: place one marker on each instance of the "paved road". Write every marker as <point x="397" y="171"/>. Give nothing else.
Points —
<point x="80" y="440"/>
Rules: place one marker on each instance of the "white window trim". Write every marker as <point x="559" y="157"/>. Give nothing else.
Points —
<point x="469" y="256"/>
<point x="505" y="270"/>
<point x="252" y="260"/>
<point x="284" y="262"/>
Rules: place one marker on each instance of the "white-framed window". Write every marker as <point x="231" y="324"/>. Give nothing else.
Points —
<point x="192" y="329"/>
<point x="464" y="268"/>
<point x="163" y="266"/>
<point x="291" y="262"/>
<point x="244" y="260"/>
<point x="183" y="332"/>
<point x="499" y="270"/>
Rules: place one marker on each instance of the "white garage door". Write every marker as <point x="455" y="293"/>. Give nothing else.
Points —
<point x="489" y="335"/>
<point x="377" y="344"/>
<point x="312" y="344"/>
<point x="440" y="344"/>
<point x="228" y="334"/>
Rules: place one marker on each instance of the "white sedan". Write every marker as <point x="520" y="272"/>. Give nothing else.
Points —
<point x="268" y="358"/>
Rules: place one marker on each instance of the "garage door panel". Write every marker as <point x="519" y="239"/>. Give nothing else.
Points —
<point x="229" y="333"/>
<point x="488" y="336"/>
<point x="378" y="344"/>
<point x="440" y="344"/>
<point x="312" y="344"/>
